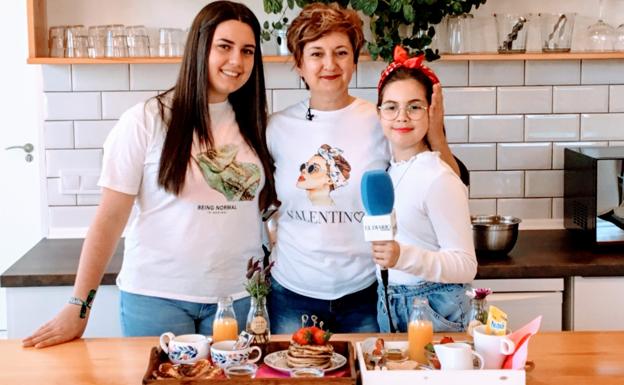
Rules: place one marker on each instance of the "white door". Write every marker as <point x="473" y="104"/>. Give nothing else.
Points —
<point x="21" y="223"/>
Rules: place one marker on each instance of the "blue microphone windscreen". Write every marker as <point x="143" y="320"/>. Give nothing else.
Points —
<point x="377" y="192"/>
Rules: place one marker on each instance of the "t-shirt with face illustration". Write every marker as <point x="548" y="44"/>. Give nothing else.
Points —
<point x="193" y="246"/>
<point x="320" y="250"/>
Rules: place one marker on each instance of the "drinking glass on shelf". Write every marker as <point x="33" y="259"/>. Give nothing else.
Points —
<point x="56" y="41"/>
<point x="97" y="41"/>
<point x="512" y="32"/>
<point x="76" y="41"/>
<point x="138" y="41"/>
<point x="458" y="32"/>
<point x="169" y="42"/>
<point x="116" y="41"/>
<point x="556" y="31"/>
<point x="600" y="35"/>
<point x="619" y="38"/>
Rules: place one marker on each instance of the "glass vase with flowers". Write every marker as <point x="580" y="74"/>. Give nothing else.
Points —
<point x="258" y="286"/>
<point x="478" y="308"/>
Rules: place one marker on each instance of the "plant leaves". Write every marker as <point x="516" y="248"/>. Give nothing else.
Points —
<point x="408" y="13"/>
<point x="368" y="7"/>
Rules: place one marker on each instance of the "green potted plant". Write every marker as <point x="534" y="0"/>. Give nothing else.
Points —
<point x="410" y="23"/>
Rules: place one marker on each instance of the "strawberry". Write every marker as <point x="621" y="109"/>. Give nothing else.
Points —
<point x="446" y="340"/>
<point x="302" y="336"/>
<point x="320" y="336"/>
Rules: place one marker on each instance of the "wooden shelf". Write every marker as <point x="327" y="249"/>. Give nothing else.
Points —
<point x="133" y="60"/>
<point x="288" y="59"/>
<point x="534" y="56"/>
<point x="38" y="49"/>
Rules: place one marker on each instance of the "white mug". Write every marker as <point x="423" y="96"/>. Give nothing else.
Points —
<point x="457" y="356"/>
<point x="493" y="348"/>
<point x="186" y="348"/>
<point x="223" y="354"/>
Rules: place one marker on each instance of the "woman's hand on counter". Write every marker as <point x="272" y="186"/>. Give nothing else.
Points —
<point x="66" y="326"/>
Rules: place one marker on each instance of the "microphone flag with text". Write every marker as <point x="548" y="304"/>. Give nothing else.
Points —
<point x="378" y="200"/>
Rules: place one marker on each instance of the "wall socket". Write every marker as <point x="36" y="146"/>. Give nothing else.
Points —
<point x="77" y="181"/>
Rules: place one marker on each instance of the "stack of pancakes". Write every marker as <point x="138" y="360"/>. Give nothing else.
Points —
<point x="308" y="356"/>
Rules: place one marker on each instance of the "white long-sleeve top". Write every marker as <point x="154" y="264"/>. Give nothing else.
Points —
<point x="433" y="223"/>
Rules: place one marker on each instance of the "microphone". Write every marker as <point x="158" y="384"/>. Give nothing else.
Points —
<point x="378" y="200"/>
<point x="309" y="114"/>
<point x="379" y="222"/>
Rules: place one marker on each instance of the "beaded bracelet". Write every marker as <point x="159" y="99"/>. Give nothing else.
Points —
<point x="84" y="305"/>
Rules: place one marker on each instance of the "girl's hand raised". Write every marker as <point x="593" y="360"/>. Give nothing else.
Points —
<point x="436" y="135"/>
<point x="386" y="253"/>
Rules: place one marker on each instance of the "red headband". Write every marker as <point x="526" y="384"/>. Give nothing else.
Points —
<point x="402" y="60"/>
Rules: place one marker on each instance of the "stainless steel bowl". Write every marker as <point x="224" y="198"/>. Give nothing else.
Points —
<point x="494" y="235"/>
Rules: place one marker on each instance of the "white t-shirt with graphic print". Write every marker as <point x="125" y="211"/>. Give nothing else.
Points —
<point x="194" y="246"/>
<point x="320" y="250"/>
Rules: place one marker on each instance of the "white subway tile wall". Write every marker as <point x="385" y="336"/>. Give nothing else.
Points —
<point x="476" y="156"/>
<point x="567" y="99"/>
<point x="539" y="72"/>
<point x="91" y="133"/>
<point x="56" y="78"/>
<point x="523" y="156"/>
<point x="456" y="128"/>
<point x="482" y="206"/>
<point x="496" y="73"/>
<point x="58" y="134"/>
<point x="149" y="77"/>
<point x="451" y="73"/>
<point x="518" y="100"/>
<point x="475" y="100"/>
<point x="115" y="103"/>
<point x="496" y="128"/>
<point x="539" y="128"/>
<point x="508" y="121"/>
<point x="602" y="71"/>
<point x="100" y="77"/>
<point x="616" y="99"/>
<point x="525" y="208"/>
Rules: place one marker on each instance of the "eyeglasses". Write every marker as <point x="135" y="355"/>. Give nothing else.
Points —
<point x="310" y="168"/>
<point x="390" y="111"/>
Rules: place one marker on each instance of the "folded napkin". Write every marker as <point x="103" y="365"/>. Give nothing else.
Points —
<point x="521" y="337"/>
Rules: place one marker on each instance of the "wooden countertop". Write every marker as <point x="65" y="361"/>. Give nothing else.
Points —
<point x="561" y="358"/>
<point x="537" y="254"/>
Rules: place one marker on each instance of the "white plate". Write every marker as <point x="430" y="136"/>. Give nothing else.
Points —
<point x="277" y="361"/>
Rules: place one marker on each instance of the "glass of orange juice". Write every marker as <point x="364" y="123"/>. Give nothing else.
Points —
<point x="419" y="330"/>
<point x="225" y="326"/>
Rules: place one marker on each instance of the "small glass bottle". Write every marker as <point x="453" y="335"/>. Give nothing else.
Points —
<point x="224" y="326"/>
<point x="419" y="330"/>
<point x="258" y="324"/>
<point x="478" y="314"/>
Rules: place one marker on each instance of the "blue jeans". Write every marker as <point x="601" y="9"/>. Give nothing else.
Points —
<point x="353" y="313"/>
<point x="448" y="306"/>
<point x="143" y="315"/>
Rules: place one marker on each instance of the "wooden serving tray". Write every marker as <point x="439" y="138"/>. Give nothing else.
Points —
<point x="157" y="357"/>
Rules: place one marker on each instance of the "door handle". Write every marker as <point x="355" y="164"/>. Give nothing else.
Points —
<point x="28" y="147"/>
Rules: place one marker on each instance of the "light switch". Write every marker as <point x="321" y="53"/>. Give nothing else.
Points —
<point x="70" y="183"/>
<point x="79" y="181"/>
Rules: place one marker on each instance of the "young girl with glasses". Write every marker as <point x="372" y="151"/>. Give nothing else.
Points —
<point x="433" y="254"/>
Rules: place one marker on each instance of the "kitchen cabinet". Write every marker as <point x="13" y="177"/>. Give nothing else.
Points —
<point x="30" y="307"/>
<point x="597" y="303"/>
<point x="43" y="13"/>
<point x="525" y="299"/>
